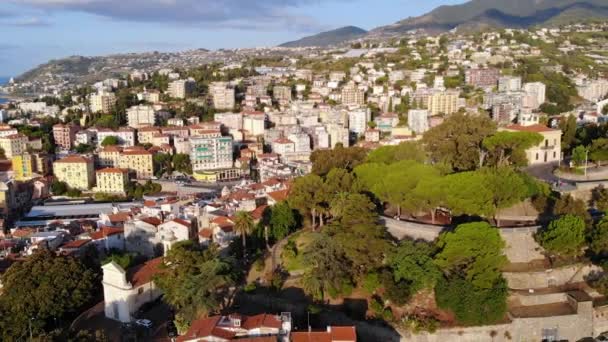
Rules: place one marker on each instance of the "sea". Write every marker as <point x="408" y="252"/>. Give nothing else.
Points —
<point x="3" y="81"/>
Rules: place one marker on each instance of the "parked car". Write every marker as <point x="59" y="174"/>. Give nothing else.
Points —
<point x="146" y="323"/>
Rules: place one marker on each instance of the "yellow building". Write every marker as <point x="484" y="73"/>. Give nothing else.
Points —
<point x="24" y="166"/>
<point x="145" y="135"/>
<point x="76" y="171"/>
<point x="109" y="156"/>
<point x="139" y="161"/>
<point x="112" y="180"/>
<point x="13" y="145"/>
<point x="443" y="103"/>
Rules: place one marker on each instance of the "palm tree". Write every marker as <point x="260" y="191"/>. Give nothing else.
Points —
<point x="243" y="224"/>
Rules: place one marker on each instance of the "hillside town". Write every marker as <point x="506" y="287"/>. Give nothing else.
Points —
<point x="419" y="188"/>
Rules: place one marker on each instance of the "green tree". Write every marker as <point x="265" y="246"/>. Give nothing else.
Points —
<point x="338" y="157"/>
<point x="56" y="289"/>
<point x="466" y="194"/>
<point x="598" y="238"/>
<point x="470" y="304"/>
<point x="243" y="225"/>
<point x="413" y="262"/>
<point x="568" y="128"/>
<point x="568" y="205"/>
<point x="162" y="164"/>
<point x="328" y="269"/>
<point x="282" y="220"/>
<point x="506" y="187"/>
<point x="599" y="198"/>
<point x="110" y="141"/>
<point x="579" y="155"/>
<point x="598" y="151"/>
<point x="509" y="148"/>
<point x="458" y="141"/>
<point x="473" y="250"/>
<point x="181" y="163"/>
<point x="392" y="154"/>
<point x="59" y="188"/>
<point x="308" y="196"/>
<point x="194" y="280"/>
<point x="564" y="236"/>
<point x="84" y="148"/>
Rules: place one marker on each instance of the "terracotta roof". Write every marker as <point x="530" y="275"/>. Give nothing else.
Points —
<point x="313" y="336"/>
<point x="206" y="327"/>
<point x="182" y="222"/>
<point x="222" y="221"/>
<point x="119" y="217"/>
<point x="136" y="152"/>
<point x="105" y="232"/>
<point x="148" y="129"/>
<point x="155" y="221"/>
<point x="111" y="148"/>
<point x="23" y="232"/>
<point x="343" y="333"/>
<point x="112" y="170"/>
<point x="75" y="243"/>
<point x="538" y="128"/>
<point x="258" y="212"/>
<point x="205" y="233"/>
<point x="262" y="320"/>
<point x="278" y="196"/>
<point x="149" y="203"/>
<point x="74" y="159"/>
<point x="142" y="274"/>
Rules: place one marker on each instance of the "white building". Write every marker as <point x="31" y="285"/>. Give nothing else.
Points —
<point x="102" y="102"/>
<point x="232" y="121"/>
<point x="509" y="83"/>
<point x="418" y="120"/>
<point x="358" y="119"/>
<point x="125" y="291"/>
<point x="283" y="146"/>
<point x="211" y="151"/>
<point x="222" y="95"/>
<point x="536" y="92"/>
<point x="180" y="89"/>
<point x="254" y="123"/>
<point x="301" y="142"/>
<point x="141" y="116"/>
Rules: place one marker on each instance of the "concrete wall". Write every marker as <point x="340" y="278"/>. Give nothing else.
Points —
<point x="540" y="299"/>
<point x="413" y="230"/>
<point x="548" y="278"/>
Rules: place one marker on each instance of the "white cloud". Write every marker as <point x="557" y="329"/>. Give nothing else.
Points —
<point x="239" y="14"/>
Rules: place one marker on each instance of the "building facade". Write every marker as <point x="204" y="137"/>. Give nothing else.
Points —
<point x="77" y="172"/>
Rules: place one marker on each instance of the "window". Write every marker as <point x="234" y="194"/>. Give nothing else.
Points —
<point x="537" y="156"/>
<point x="140" y="290"/>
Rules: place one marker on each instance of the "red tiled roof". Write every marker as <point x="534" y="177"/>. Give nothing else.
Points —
<point x="75" y="243"/>
<point x="142" y="274"/>
<point x="182" y="222"/>
<point x="283" y="141"/>
<point x="74" y="159"/>
<point x="538" y="128"/>
<point x="280" y="195"/>
<point x="206" y="327"/>
<point x="155" y="221"/>
<point x="343" y="333"/>
<point x="205" y="233"/>
<point x="258" y="212"/>
<point x="105" y="232"/>
<point x="119" y="217"/>
<point x="262" y="320"/>
<point x="112" y="148"/>
<point x="112" y="170"/>
<point x="313" y="336"/>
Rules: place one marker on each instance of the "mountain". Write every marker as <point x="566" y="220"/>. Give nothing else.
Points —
<point x="500" y="14"/>
<point x="332" y="37"/>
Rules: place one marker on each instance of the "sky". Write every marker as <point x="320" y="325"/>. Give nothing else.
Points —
<point x="35" y="31"/>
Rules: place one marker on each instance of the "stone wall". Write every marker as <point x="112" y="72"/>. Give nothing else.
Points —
<point x="539" y="299"/>
<point x="407" y="229"/>
<point x="550" y="277"/>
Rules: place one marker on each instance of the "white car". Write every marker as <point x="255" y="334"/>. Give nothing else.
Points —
<point x="146" y="323"/>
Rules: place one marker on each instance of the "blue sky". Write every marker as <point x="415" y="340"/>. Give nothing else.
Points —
<point x="34" y="31"/>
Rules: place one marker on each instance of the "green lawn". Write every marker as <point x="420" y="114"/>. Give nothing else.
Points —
<point x="293" y="262"/>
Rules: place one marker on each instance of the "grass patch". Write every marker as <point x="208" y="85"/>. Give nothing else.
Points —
<point x="292" y="257"/>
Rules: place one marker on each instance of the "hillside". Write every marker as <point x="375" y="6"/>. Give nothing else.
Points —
<point x="500" y="14"/>
<point x="327" y="38"/>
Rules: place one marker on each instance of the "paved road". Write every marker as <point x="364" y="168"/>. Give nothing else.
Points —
<point x="194" y="187"/>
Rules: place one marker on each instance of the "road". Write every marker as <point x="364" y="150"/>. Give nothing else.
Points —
<point x="194" y="187"/>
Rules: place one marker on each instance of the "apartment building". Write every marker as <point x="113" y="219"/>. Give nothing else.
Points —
<point x="509" y="83"/>
<point x="211" y="151"/>
<point x="112" y="180"/>
<point x="30" y="165"/>
<point x="125" y="135"/>
<point x="443" y="103"/>
<point x="282" y="93"/>
<point x="76" y="171"/>
<point x="482" y="77"/>
<point x="357" y="120"/>
<point x="222" y="95"/>
<point x="13" y="145"/>
<point x="352" y="95"/>
<point x="180" y="89"/>
<point x="145" y="135"/>
<point x="102" y="102"/>
<point x="65" y="135"/>
<point x="141" y="116"/>
<point x="139" y="161"/>
<point x="535" y="93"/>
<point x="109" y="156"/>
<point x="418" y="120"/>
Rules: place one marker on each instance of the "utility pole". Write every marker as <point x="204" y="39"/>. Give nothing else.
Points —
<point x="586" y="161"/>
